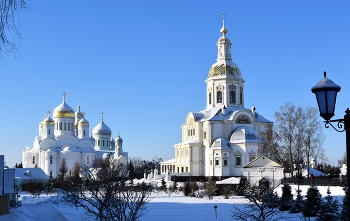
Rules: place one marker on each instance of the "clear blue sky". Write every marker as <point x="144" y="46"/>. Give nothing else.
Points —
<point x="144" y="63"/>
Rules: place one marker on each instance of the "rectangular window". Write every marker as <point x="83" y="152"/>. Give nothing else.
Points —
<point x="216" y="162"/>
<point x="205" y="135"/>
<point x="238" y="160"/>
<point x="193" y="132"/>
<point x="186" y="169"/>
<point x="188" y="131"/>
<point x="251" y="158"/>
<point x="211" y="162"/>
<point x="50" y="174"/>
<point x="182" y="169"/>
<point x="33" y="159"/>
<point x="225" y="162"/>
<point x="50" y="159"/>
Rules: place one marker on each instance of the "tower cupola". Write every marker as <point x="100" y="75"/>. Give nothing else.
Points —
<point x="224" y="81"/>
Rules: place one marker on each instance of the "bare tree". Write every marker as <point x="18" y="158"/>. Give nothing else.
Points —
<point x="106" y="196"/>
<point x="260" y="207"/>
<point x="9" y="15"/>
<point x="297" y="135"/>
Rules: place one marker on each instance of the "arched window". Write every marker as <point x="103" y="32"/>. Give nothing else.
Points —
<point x="49" y="131"/>
<point x="241" y="96"/>
<point x="232" y="96"/>
<point x="60" y="125"/>
<point x="65" y="126"/>
<point x="99" y="143"/>
<point x="219" y="97"/>
<point x="56" y="125"/>
<point x="50" y="159"/>
<point x="84" y="132"/>
<point x="68" y="126"/>
<point x="87" y="160"/>
<point x="107" y="142"/>
<point x="33" y="159"/>
<point x="210" y="98"/>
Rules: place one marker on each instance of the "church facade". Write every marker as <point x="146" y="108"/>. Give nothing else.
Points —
<point x="66" y="135"/>
<point x="221" y="139"/>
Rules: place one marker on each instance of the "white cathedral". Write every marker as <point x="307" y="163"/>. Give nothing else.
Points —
<point x="66" y="135"/>
<point x="221" y="139"/>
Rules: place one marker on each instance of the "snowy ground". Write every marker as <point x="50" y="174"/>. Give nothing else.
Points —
<point x="161" y="207"/>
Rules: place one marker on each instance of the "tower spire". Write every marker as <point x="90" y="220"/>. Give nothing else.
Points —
<point x="223" y="30"/>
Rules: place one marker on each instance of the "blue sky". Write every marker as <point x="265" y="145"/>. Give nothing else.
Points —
<point x="144" y="63"/>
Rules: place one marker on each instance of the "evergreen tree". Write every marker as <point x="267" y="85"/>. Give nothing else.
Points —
<point x="187" y="188"/>
<point x="62" y="171"/>
<point x="286" y="198"/>
<point x="163" y="184"/>
<point x="344" y="207"/>
<point x="131" y="170"/>
<point x="329" y="208"/>
<point x="312" y="202"/>
<point x="297" y="205"/>
<point x="242" y="186"/>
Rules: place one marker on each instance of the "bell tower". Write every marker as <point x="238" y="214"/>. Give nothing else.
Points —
<point x="225" y="85"/>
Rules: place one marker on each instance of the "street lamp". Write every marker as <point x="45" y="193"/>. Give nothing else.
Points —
<point x="326" y="94"/>
<point x="273" y="169"/>
<point x="261" y="170"/>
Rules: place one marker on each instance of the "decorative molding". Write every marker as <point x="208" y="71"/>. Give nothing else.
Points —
<point x="232" y="87"/>
<point x="220" y="87"/>
<point x="210" y="89"/>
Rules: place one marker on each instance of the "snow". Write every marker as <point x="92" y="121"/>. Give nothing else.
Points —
<point x="161" y="207"/>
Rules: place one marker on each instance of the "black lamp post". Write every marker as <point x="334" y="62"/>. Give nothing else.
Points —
<point x="326" y="94"/>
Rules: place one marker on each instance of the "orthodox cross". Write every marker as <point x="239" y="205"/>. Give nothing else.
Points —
<point x="64" y="96"/>
<point x="49" y="112"/>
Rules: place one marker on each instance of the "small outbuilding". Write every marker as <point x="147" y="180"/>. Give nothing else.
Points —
<point x="263" y="167"/>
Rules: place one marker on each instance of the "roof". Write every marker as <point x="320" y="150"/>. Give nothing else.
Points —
<point x="220" y="144"/>
<point x="244" y="134"/>
<point x="168" y="161"/>
<point x="262" y="161"/>
<point x="101" y="129"/>
<point x="231" y="180"/>
<point x="30" y="173"/>
<point x="215" y="114"/>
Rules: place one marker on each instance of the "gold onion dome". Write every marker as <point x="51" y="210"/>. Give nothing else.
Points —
<point x="63" y="110"/>
<point x="48" y="120"/>
<point x="83" y="122"/>
<point x="79" y="114"/>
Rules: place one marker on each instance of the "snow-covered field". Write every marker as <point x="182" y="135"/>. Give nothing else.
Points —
<point x="161" y="207"/>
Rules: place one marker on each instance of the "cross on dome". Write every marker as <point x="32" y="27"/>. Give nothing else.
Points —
<point x="64" y="96"/>
<point x="101" y="116"/>
<point x="223" y="30"/>
<point x="49" y="112"/>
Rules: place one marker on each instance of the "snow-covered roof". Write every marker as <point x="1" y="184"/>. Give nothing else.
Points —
<point x="244" y="134"/>
<point x="312" y="171"/>
<point x="216" y="114"/>
<point x="30" y="173"/>
<point x="220" y="144"/>
<point x="262" y="161"/>
<point x="168" y="161"/>
<point x="231" y="180"/>
<point x="69" y="149"/>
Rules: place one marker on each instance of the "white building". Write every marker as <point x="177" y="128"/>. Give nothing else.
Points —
<point x="221" y="139"/>
<point x="66" y="135"/>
